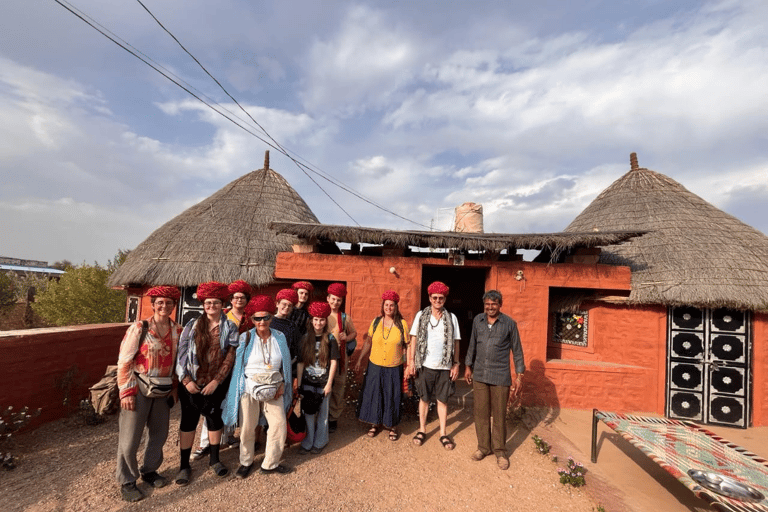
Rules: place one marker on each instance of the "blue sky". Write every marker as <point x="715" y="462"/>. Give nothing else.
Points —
<point x="530" y="108"/>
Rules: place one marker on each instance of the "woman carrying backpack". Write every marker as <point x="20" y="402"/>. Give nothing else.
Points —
<point x="386" y="341"/>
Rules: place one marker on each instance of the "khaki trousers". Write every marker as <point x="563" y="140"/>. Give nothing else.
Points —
<point x="250" y="411"/>
<point x="491" y="402"/>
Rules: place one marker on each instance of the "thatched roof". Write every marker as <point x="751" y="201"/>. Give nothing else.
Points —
<point x="694" y="253"/>
<point x="222" y="238"/>
<point x="556" y="242"/>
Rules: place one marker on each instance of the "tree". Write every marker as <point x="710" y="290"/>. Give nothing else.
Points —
<point x="62" y="265"/>
<point x="8" y="291"/>
<point x="81" y="296"/>
<point x="118" y="260"/>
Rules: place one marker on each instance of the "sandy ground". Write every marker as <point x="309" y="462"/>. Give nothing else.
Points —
<point x="66" y="466"/>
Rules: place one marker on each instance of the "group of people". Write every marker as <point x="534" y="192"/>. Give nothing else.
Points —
<point x="247" y="367"/>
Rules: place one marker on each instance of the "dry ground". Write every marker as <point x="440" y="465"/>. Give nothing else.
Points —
<point x="66" y="465"/>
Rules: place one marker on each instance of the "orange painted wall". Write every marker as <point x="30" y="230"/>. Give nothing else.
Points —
<point x="624" y="369"/>
<point x="35" y="359"/>
<point x="760" y="369"/>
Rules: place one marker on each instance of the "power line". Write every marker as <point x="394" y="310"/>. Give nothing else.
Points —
<point x="302" y="166"/>
<point x="102" y="32"/>
<point x="186" y="87"/>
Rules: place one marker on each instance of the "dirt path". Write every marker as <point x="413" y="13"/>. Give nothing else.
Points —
<point x="67" y="466"/>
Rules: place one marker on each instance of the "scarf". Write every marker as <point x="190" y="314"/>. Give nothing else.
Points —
<point x="187" y="358"/>
<point x="422" y="335"/>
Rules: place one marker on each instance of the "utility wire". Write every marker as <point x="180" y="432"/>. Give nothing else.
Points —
<point x="188" y="88"/>
<point x="302" y="166"/>
<point x="270" y="144"/>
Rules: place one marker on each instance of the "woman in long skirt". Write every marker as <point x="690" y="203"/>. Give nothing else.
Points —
<point x="386" y="341"/>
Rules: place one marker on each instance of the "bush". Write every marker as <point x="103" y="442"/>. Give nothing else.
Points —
<point x="81" y="296"/>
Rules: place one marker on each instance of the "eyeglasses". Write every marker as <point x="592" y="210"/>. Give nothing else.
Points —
<point x="211" y="303"/>
<point x="437" y="298"/>
<point x="241" y="297"/>
<point x="264" y="318"/>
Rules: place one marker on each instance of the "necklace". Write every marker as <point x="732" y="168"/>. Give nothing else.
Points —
<point x="266" y="354"/>
<point x="385" y="331"/>
<point x="438" y="320"/>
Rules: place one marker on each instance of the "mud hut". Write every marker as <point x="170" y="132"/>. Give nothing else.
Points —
<point x="223" y="238"/>
<point x="698" y="298"/>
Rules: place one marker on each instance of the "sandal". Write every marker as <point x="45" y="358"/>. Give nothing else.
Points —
<point x="373" y="431"/>
<point x="220" y="469"/>
<point x="419" y="438"/>
<point x="394" y="435"/>
<point x="447" y="443"/>
<point x="183" y="476"/>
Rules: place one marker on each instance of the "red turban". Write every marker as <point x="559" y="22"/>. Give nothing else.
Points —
<point x="212" y="290"/>
<point x="390" y="295"/>
<point x="303" y="285"/>
<point x="260" y="303"/>
<point x="319" y="309"/>
<point x="438" y="287"/>
<point x="288" y="294"/>
<point x="337" y="289"/>
<point x="240" y="287"/>
<point x="168" y="292"/>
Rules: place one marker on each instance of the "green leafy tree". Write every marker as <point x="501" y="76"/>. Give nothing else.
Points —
<point x="8" y="291"/>
<point x="81" y="296"/>
<point x="62" y="265"/>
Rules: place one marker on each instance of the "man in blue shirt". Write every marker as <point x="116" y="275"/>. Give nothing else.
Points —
<point x="494" y="336"/>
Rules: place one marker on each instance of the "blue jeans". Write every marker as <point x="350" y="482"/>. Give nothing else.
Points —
<point x="317" y="427"/>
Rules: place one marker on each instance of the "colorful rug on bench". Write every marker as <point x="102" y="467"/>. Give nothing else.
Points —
<point x="680" y="446"/>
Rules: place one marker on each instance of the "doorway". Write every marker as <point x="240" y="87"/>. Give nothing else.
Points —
<point x="465" y="298"/>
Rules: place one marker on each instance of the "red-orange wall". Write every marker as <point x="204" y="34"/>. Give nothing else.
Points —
<point x="760" y="369"/>
<point x="34" y="360"/>
<point x="623" y="369"/>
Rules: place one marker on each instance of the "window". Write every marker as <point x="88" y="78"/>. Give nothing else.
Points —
<point x="571" y="328"/>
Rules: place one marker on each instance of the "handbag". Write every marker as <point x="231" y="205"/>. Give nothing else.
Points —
<point x="297" y="425"/>
<point x="265" y="385"/>
<point x="154" y="387"/>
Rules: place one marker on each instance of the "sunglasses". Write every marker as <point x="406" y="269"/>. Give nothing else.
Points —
<point x="264" y="318"/>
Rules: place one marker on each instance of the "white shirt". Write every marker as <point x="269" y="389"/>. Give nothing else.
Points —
<point x="435" y="339"/>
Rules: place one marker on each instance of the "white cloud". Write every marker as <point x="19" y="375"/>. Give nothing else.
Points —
<point x="360" y="66"/>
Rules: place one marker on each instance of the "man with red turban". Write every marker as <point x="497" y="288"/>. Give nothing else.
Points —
<point x="433" y="358"/>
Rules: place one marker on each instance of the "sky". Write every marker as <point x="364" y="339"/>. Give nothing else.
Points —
<point x="529" y="108"/>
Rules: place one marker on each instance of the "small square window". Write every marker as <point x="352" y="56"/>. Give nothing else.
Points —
<point x="571" y="328"/>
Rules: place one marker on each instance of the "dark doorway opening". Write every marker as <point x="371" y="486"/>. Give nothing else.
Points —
<point x="465" y="299"/>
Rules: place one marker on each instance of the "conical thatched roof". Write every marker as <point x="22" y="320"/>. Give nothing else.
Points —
<point x="223" y="238"/>
<point x="694" y="253"/>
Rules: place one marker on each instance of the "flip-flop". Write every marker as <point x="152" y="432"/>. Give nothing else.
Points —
<point x="394" y="435"/>
<point x="183" y="476"/>
<point x="373" y="431"/>
<point x="419" y="438"/>
<point x="220" y="469"/>
<point x="447" y="443"/>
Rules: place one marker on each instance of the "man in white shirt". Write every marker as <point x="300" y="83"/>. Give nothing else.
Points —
<point x="433" y="358"/>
